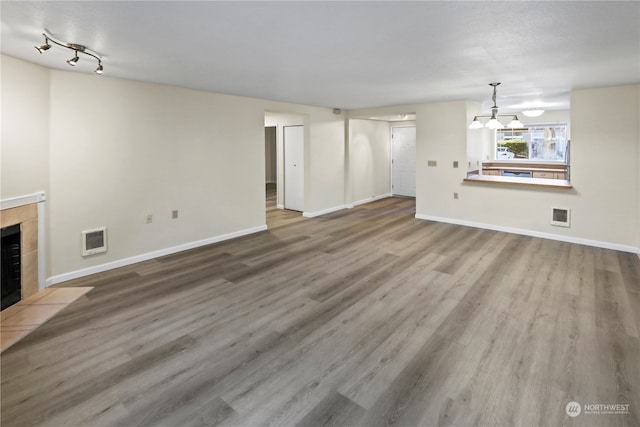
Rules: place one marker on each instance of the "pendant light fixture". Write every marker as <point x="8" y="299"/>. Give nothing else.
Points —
<point x="494" y="122"/>
<point x="77" y="48"/>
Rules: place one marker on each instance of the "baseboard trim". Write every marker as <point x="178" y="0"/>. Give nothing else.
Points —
<point x="370" y="199"/>
<point x="524" y="232"/>
<point x="149" y="255"/>
<point x="323" y="212"/>
<point x="280" y="206"/>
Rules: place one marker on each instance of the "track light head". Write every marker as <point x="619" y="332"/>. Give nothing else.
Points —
<point x="73" y="61"/>
<point x="43" y="47"/>
<point x="99" y="69"/>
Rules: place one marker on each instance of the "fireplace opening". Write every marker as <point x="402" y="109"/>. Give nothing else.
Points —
<point x="10" y="266"/>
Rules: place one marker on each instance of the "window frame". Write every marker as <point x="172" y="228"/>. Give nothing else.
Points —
<point x="528" y="126"/>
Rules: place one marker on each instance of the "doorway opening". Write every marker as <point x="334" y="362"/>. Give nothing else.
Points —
<point x="284" y="166"/>
<point x="270" y="167"/>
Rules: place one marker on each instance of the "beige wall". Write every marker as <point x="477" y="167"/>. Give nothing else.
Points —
<point x="605" y="142"/>
<point x="24" y="152"/>
<point x="115" y="150"/>
<point x="604" y="200"/>
<point x="441" y="137"/>
<point x="479" y="141"/>
<point x="369" y="158"/>
<point x="135" y="149"/>
<point x="324" y="163"/>
<point x="119" y="150"/>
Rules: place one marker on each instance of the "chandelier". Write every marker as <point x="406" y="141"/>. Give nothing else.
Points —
<point x="494" y="122"/>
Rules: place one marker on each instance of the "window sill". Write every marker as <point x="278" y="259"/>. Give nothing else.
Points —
<point x="507" y="180"/>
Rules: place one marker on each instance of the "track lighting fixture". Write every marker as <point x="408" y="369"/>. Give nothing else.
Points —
<point x="493" y="122"/>
<point x="77" y="48"/>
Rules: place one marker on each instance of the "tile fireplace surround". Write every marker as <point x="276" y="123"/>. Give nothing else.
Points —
<point x="27" y="216"/>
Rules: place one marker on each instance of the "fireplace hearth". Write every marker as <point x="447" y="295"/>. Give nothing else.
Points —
<point x="10" y="265"/>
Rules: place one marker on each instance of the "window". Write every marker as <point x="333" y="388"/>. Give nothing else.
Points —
<point x="534" y="155"/>
<point x="533" y="142"/>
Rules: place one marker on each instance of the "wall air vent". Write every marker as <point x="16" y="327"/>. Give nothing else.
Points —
<point x="561" y="217"/>
<point x="94" y="241"/>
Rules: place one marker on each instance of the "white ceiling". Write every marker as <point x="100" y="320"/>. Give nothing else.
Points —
<point x="345" y="54"/>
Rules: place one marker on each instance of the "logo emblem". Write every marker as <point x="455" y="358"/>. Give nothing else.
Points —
<point x="573" y="409"/>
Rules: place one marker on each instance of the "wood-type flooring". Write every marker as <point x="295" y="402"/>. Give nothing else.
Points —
<point x="363" y="317"/>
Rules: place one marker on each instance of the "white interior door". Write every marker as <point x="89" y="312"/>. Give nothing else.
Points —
<point x="294" y="168"/>
<point x="403" y="155"/>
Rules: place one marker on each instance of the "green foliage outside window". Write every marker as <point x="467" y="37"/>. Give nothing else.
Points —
<point x="517" y="147"/>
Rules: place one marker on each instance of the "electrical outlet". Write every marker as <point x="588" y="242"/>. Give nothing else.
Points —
<point x="149" y="219"/>
<point x="174" y="214"/>
<point x="455" y="163"/>
<point x="432" y="163"/>
<point x="455" y="196"/>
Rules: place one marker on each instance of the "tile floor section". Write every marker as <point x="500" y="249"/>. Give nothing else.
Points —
<point x="17" y="321"/>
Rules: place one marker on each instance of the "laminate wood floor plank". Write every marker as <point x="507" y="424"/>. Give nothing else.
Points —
<point x="365" y="316"/>
<point x="425" y="236"/>
<point x="195" y="386"/>
<point x="213" y="413"/>
<point x="619" y="302"/>
<point x="341" y="278"/>
<point x="618" y="334"/>
<point x="400" y="404"/>
<point x="367" y="382"/>
<point x="124" y="322"/>
<point x="336" y="349"/>
<point x="333" y="410"/>
<point x="317" y="345"/>
<point x="101" y="409"/>
<point x="630" y="271"/>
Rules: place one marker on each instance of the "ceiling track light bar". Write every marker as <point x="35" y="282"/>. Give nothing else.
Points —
<point x="493" y="122"/>
<point x="77" y="48"/>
